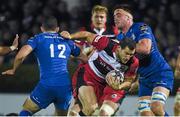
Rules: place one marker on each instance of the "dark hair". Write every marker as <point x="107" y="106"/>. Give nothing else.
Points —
<point x="127" y="42"/>
<point x="125" y="7"/>
<point x="49" y="23"/>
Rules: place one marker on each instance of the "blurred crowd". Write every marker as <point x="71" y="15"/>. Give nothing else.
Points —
<point x="24" y="17"/>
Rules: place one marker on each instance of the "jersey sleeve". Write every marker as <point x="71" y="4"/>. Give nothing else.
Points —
<point x="75" y="50"/>
<point x="32" y="42"/>
<point x="133" y="68"/>
<point x="100" y="42"/>
<point x="143" y="31"/>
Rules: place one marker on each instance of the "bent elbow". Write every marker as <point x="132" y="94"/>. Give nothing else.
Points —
<point x="147" y="51"/>
<point x="143" y="50"/>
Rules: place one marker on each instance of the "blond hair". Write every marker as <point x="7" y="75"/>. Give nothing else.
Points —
<point x="99" y="8"/>
<point x="125" y="12"/>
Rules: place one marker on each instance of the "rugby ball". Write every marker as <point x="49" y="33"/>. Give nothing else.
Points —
<point x="115" y="74"/>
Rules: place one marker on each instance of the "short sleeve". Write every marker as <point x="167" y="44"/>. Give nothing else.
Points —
<point x="75" y="50"/>
<point x="32" y="42"/>
<point x="143" y="31"/>
<point x="100" y="42"/>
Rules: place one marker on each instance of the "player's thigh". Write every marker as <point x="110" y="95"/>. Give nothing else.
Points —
<point x="31" y="106"/>
<point x="162" y="90"/>
<point x="42" y="95"/>
<point x="110" y="94"/>
<point x="159" y="97"/>
<point x="86" y="95"/>
<point x="63" y="97"/>
<point x="145" y="87"/>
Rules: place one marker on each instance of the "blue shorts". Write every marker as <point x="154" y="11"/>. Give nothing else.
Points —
<point x="164" y="79"/>
<point x="44" y="95"/>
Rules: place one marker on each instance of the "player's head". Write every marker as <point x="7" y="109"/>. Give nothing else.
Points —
<point x="122" y="16"/>
<point x="49" y="23"/>
<point x="126" y="50"/>
<point x="99" y="16"/>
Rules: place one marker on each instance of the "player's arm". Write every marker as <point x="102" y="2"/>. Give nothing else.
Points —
<point x="88" y="36"/>
<point x="127" y="82"/>
<point x="129" y="77"/>
<point x="144" y="38"/>
<point x="116" y="84"/>
<point x="22" y="54"/>
<point x="144" y="46"/>
<point x="177" y="68"/>
<point x="82" y="57"/>
<point x="14" y="46"/>
<point x="134" y="86"/>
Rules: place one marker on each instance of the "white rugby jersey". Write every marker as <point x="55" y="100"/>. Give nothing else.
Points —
<point x="104" y="59"/>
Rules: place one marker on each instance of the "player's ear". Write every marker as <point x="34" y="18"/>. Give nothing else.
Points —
<point x="119" y="48"/>
<point x="42" y="29"/>
<point x="57" y="29"/>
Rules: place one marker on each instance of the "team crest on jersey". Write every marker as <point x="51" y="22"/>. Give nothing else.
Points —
<point x="133" y="36"/>
<point x="143" y="27"/>
<point x="114" y="95"/>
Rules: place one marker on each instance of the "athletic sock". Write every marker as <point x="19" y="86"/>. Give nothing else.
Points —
<point x="166" y="114"/>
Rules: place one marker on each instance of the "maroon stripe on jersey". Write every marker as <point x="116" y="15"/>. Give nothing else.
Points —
<point x="102" y="66"/>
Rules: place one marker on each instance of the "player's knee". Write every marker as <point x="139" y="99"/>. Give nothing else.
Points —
<point x="30" y="106"/>
<point x="158" y="100"/>
<point x="106" y="110"/>
<point x="74" y="110"/>
<point x="144" y="105"/>
<point x="72" y="113"/>
<point x="157" y="108"/>
<point x="159" y="97"/>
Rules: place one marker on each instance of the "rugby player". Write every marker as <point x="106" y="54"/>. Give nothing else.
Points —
<point x="52" y="52"/>
<point x="156" y="76"/>
<point x="93" y="94"/>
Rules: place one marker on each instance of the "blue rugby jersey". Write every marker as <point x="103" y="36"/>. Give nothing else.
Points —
<point x="152" y="63"/>
<point x="52" y="52"/>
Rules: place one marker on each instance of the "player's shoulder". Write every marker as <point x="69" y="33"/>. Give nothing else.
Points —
<point x="135" y="60"/>
<point x="33" y="38"/>
<point x="37" y="36"/>
<point x="140" y="26"/>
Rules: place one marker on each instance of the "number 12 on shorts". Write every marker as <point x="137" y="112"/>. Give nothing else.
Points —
<point x="61" y="49"/>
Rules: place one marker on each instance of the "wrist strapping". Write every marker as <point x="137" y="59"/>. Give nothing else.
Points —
<point x="12" y="48"/>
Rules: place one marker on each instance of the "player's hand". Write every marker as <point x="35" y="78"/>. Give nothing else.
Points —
<point x="15" y="42"/>
<point x="177" y="106"/>
<point x="113" y="82"/>
<point x="8" y="72"/>
<point x="65" y="34"/>
<point x="134" y="87"/>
